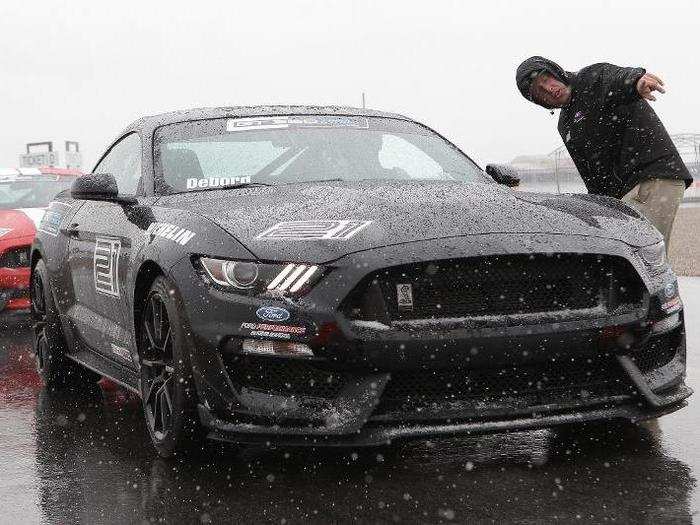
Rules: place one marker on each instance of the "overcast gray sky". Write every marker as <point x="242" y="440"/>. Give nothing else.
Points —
<point x="82" y="70"/>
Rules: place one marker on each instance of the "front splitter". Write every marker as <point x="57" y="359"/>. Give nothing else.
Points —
<point x="382" y="435"/>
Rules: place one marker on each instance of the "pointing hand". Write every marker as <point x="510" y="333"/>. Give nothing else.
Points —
<point x="648" y="83"/>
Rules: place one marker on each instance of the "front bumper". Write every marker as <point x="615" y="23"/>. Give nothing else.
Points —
<point x="14" y="289"/>
<point x="358" y="413"/>
<point x="341" y="395"/>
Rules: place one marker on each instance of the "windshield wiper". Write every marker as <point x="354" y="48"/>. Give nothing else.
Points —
<point x="225" y="187"/>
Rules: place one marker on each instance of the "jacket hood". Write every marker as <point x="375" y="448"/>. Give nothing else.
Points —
<point x="395" y="212"/>
<point x="533" y="66"/>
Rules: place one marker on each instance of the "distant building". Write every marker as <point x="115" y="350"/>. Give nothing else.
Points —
<point x="44" y="154"/>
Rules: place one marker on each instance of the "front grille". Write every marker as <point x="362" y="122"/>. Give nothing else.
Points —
<point x="15" y="258"/>
<point x="509" y="387"/>
<point x="657" y="352"/>
<point x="497" y="286"/>
<point x="283" y="376"/>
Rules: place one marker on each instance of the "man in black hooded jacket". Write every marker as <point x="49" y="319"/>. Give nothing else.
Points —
<point x="616" y="140"/>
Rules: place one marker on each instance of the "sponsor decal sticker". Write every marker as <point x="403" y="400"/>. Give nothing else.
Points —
<point x="673" y="304"/>
<point x="213" y="182"/>
<point x="314" y="230"/>
<point x="270" y="335"/>
<point x="273" y="314"/>
<point x="51" y="221"/>
<point x="278" y="328"/>
<point x="169" y="231"/>
<point x="306" y="121"/>
<point x="106" y="266"/>
<point x="121" y="352"/>
<point x="404" y="296"/>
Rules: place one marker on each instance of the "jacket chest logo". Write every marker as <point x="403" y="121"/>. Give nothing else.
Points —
<point x="579" y="116"/>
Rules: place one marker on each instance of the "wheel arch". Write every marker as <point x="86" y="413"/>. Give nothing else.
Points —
<point x="35" y="257"/>
<point x="147" y="273"/>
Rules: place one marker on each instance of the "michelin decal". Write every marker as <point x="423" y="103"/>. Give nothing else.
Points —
<point x="169" y="231"/>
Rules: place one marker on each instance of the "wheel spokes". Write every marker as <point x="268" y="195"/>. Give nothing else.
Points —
<point x="166" y="340"/>
<point x="157" y="369"/>
<point x="156" y="317"/>
<point x="38" y="296"/>
<point x="149" y="335"/>
<point x="41" y="351"/>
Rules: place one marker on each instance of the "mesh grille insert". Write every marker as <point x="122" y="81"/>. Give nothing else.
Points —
<point x="15" y="258"/>
<point x="283" y="376"/>
<point x="657" y="352"/>
<point x="497" y="286"/>
<point x="539" y="383"/>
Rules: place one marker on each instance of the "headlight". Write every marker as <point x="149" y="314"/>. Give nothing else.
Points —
<point x="4" y="231"/>
<point x="258" y="277"/>
<point x="654" y="256"/>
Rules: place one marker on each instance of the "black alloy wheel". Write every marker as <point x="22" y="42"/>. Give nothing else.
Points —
<point x="157" y="368"/>
<point x="49" y="342"/>
<point x="38" y="305"/>
<point x="168" y="393"/>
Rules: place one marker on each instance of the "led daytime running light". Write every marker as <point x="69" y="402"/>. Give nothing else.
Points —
<point x="292" y="278"/>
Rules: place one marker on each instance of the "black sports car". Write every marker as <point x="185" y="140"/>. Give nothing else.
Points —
<point x="325" y="275"/>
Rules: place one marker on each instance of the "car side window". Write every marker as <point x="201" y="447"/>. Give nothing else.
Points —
<point x="124" y="163"/>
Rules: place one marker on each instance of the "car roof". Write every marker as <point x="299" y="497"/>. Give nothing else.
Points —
<point x="41" y="170"/>
<point x="149" y="123"/>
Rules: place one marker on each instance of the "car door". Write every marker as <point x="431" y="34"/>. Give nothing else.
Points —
<point x="99" y="255"/>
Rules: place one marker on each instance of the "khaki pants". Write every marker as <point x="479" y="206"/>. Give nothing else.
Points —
<point x="658" y="201"/>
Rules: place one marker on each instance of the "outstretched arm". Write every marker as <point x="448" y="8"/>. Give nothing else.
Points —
<point x="620" y="83"/>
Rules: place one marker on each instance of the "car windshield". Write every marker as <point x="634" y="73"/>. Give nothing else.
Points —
<point x="301" y="148"/>
<point x="30" y="191"/>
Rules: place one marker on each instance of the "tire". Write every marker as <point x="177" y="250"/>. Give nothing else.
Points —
<point x="168" y="393"/>
<point x="49" y="342"/>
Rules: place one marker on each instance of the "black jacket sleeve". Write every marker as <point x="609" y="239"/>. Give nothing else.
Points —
<point x="620" y="83"/>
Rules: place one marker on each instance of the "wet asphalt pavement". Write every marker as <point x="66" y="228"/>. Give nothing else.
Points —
<point x="88" y="460"/>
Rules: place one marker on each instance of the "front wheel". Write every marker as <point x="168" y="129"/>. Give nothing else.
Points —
<point x="167" y="387"/>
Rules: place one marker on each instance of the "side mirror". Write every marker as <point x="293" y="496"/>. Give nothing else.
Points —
<point x="98" y="187"/>
<point x="503" y="174"/>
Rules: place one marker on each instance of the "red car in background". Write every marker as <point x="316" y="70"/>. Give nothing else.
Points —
<point x="24" y="195"/>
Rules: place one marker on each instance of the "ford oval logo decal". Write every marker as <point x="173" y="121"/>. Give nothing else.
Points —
<point x="272" y="313"/>
<point x="670" y="290"/>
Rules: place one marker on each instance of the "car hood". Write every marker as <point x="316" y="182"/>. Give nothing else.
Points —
<point x="22" y="222"/>
<point x="404" y="212"/>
